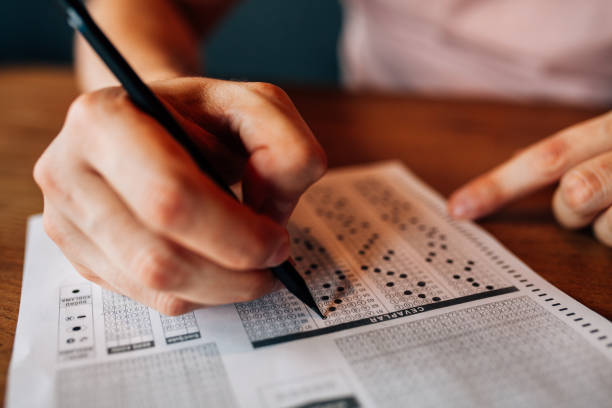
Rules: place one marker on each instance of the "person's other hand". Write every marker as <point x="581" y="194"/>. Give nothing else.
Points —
<point x="133" y="213"/>
<point x="580" y="156"/>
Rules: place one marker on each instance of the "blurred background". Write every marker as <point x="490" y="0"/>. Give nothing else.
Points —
<point x="286" y="41"/>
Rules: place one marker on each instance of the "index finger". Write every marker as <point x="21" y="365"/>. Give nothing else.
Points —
<point x="540" y="164"/>
<point x="284" y="156"/>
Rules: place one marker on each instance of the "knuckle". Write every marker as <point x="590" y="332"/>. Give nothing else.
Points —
<point x="255" y="253"/>
<point x="310" y="162"/>
<point x="270" y="91"/>
<point x="170" y="305"/>
<point x="260" y="243"/>
<point x="42" y="173"/>
<point x="52" y="185"/>
<point x="167" y="204"/>
<point x="83" y="107"/>
<point x="317" y="163"/>
<point x="95" y="222"/>
<point x="579" y="188"/>
<point x="155" y="268"/>
<point x="551" y="157"/>
<point x="259" y="285"/>
<point x="53" y="230"/>
<point x="86" y="107"/>
<point x="117" y="101"/>
<point x="87" y="273"/>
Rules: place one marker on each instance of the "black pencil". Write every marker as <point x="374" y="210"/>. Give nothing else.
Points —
<point x="142" y="96"/>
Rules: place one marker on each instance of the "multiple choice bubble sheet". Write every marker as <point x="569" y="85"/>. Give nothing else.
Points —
<point x="421" y="310"/>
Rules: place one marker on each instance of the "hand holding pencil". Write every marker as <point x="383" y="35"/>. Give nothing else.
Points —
<point x="133" y="211"/>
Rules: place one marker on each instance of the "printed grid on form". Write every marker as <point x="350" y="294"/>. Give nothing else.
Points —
<point x="127" y="325"/>
<point x="188" y="377"/>
<point x="509" y="353"/>
<point x="179" y="328"/>
<point x="391" y="257"/>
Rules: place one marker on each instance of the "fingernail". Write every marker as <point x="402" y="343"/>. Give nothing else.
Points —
<point x="281" y="254"/>
<point x="462" y="207"/>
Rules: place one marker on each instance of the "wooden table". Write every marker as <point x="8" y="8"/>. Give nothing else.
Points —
<point x="446" y="142"/>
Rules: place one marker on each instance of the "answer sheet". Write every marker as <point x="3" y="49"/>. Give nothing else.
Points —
<point x="422" y="311"/>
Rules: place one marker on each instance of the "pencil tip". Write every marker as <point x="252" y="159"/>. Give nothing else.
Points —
<point x="313" y="305"/>
<point x="292" y="280"/>
<point x="315" y="308"/>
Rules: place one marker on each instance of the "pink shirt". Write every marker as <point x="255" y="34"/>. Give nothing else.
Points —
<point x="514" y="49"/>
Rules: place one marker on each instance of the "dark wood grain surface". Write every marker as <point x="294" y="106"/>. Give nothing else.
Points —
<point x="445" y="142"/>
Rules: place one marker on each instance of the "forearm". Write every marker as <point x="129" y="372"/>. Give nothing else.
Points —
<point x="155" y="36"/>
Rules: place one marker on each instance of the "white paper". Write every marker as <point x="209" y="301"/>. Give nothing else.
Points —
<point x="422" y="311"/>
